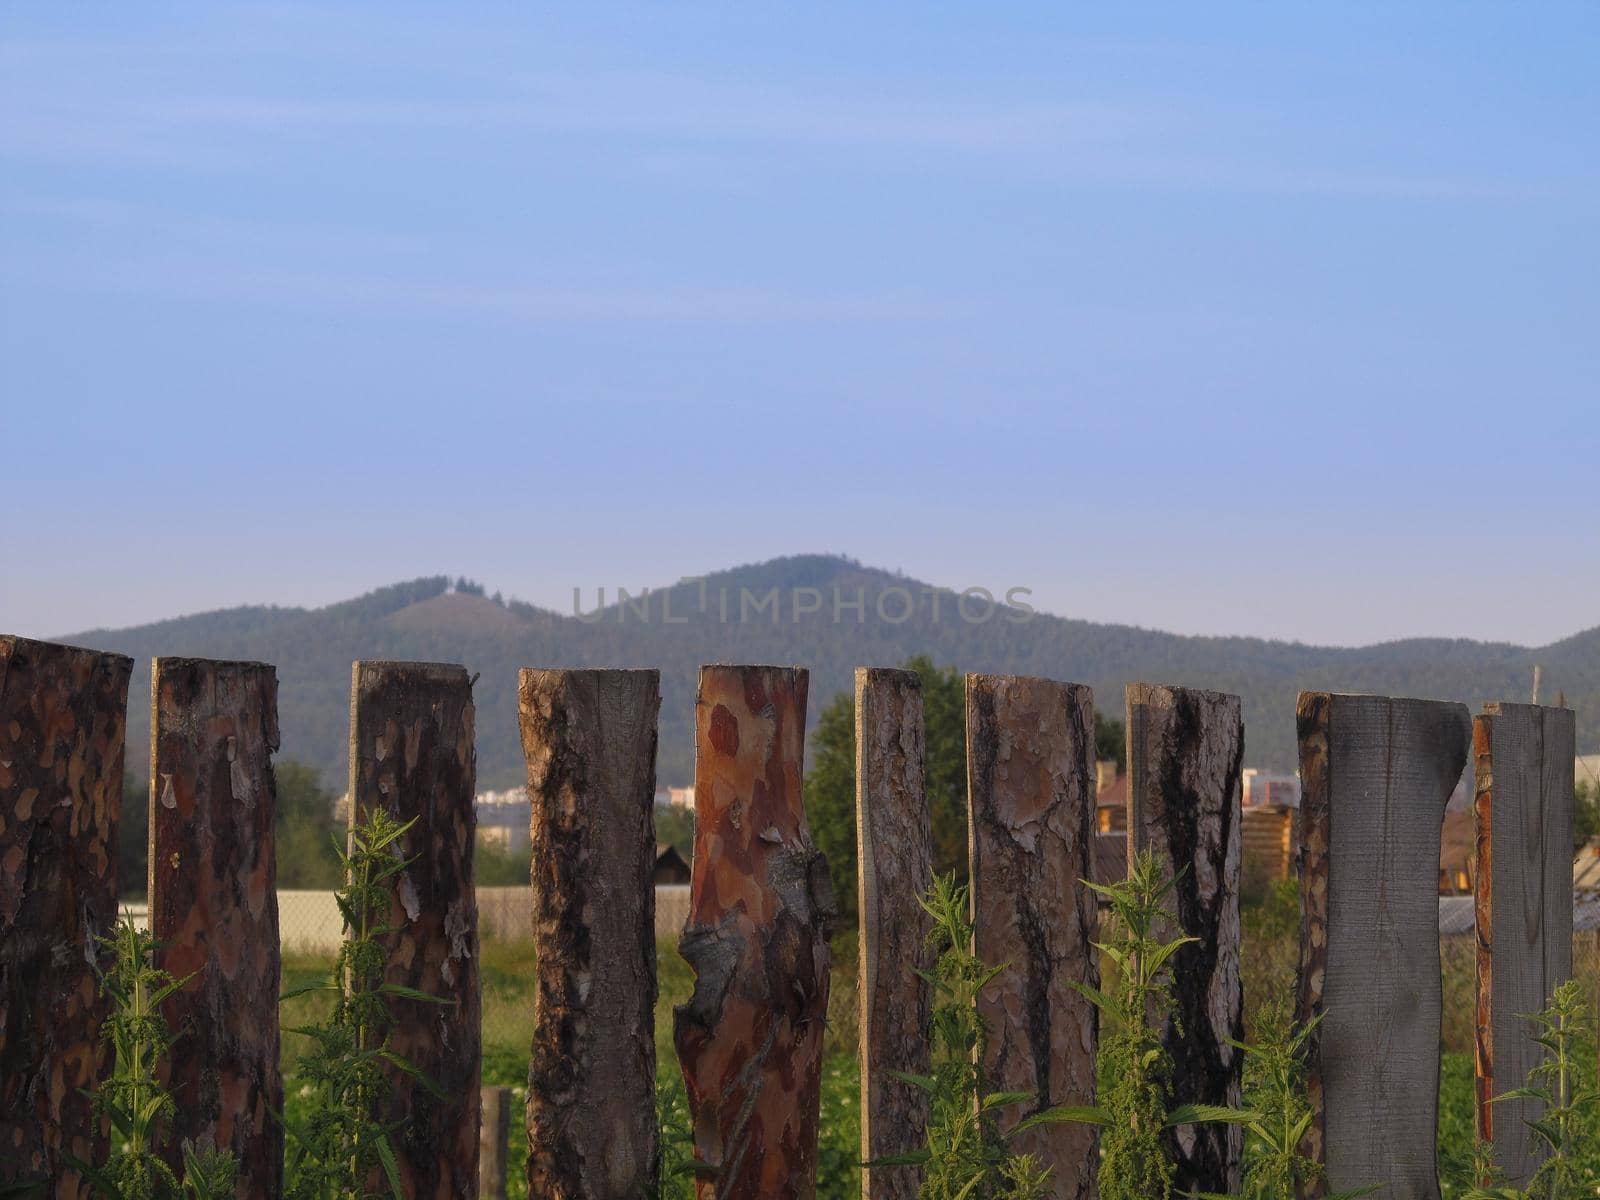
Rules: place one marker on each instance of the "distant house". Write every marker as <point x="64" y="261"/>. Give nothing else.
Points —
<point x="1458" y="852"/>
<point x="670" y="867"/>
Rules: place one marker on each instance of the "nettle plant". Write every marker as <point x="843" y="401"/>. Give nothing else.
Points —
<point x="345" y="1141"/>
<point x="132" y="1097"/>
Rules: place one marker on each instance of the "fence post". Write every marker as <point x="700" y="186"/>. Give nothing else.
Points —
<point x="1030" y="789"/>
<point x="750" y="1038"/>
<point x="492" y="1133"/>
<point x="214" y="906"/>
<point x="590" y="742"/>
<point x="1376" y="774"/>
<point x="1523" y="900"/>
<point x="63" y="716"/>
<point x="1185" y="752"/>
<point x="411" y="752"/>
<point x="895" y="859"/>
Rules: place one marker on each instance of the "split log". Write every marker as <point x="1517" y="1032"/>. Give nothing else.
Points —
<point x="214" y="908"/>
<point x="1376" y="774"/>
<point x="63" y="717"/>
<point x="1030" y="789"/>
<point x="1185" y="751"/>
<point x="1523" y="759"/>
<point x="412" y="753"/>
<point x="493" y="1130"/>
<point x="590" y="742"/>
<point x="894" y="834"/>
<point x="750" y="1038"/>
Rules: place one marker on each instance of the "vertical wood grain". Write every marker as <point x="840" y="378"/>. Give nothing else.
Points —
<point x="1376" y="773"/>
<point x="493" y="1129"/>
<point x="1523" y="899"/>
<point x="894" y="834"/>
<point x="412" y="753"/>
<point x="749" y="1040"/>
<point x="590" y="742"/>
<point x="63" y="717"/>
<point x="1185" y="751"/>
<point x="1030" y="794"/>
<point x="214" y="908"/>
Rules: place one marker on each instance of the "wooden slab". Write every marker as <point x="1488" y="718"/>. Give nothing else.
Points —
<point x="590" y="742"/>
<point x="1030" y="791"/>
<point x="894" y="834"/>
<point x="1523" y="759"/>
<point x="411" y="752"/>
<point x="750" y="1038"/>
<point x="214" y="908"/>
<point x="63" y="714"/>
<point x="1375" y="776"/>
<point x="1185" y="752"/>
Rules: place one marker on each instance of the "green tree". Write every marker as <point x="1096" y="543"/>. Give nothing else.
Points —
<point x="1585" y="814"/>
<point x="133" y="838"/>
<point x="307" y="833"/>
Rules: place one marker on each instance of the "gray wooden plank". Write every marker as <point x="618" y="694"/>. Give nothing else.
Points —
<point x="894" y="837"/>
<point x="1376" y="774"/>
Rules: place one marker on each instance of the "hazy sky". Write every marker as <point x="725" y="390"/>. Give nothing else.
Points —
<point x="1219" y="319"/>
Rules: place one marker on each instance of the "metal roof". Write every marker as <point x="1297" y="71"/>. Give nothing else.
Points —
<point x="1456" y="914"/>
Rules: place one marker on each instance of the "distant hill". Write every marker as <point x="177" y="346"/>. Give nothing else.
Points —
<point x="429" y="619"/>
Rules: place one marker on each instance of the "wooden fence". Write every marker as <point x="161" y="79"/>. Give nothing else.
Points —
<point x="1376" y="774"/>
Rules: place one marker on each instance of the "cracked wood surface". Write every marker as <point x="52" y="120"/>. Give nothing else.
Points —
<point x="750" y="1038"/>
<point x="214" y="908"/>
<point x="1523" y="762"/>
<point x="1376" y="773"/>
<point x="63" y="715"/>
<point x="412" y="753"/>
<point x="894" y="836"/>
<point x="590" y="742"/>
<point x="1031" y="797"/>
<point x="1185" y="751"/>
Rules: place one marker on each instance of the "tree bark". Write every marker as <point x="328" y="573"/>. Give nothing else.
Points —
<point x="411" y="752"/>
<point x="1523" y="755"/>
<point x="63" y="714"/>
<point x="590" y="742"/>
<point x="1375" y="776"/>
<point x="214" y="909"/>
<point x="1185" y="751"/>
<point x="750" y="1038"/>
<point x="1030" y="787"/>
<point x="894" y="836"/>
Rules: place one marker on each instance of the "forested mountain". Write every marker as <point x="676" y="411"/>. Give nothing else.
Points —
<point x="680" y="627"/>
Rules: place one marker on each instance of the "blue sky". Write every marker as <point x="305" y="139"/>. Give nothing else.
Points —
<point x="1252" y="319"/>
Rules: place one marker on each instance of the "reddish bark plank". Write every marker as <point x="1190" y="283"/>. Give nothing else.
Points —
<point x="894" y="834"/>
<point x="750" y="1038"/>
<point x="590" y="742"/>
<point x="1030" y="789"/>
<point x="1185" y="751"/>
<point x="1522" y="757"/>
<point x="63" y="716"/>
<point x="214" y="907"/>
<point x="411" y="751"/>
<point x="1375" y="776"/>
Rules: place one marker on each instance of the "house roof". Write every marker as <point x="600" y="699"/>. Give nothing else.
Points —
<point x="1456" y="914"/>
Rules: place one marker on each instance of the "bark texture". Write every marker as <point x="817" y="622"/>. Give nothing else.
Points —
<point x="63" y="714"/>
<point x="1185" y="750"/>
<point x="1375" y="776"/>
<point x="750" y="1038"/>
<point x="214" y="907"/>
<point x="411" y="752"/>
<point x="1523" y="760"/>
<point x="1030" y="791"/>
<point x="895" y="840"/>
<point x="590" y="742"/>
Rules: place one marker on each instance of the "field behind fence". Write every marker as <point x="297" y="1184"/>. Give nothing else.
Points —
<point x="755" y="928"/>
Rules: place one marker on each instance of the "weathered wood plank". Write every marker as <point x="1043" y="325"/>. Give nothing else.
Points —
<point x="63" y="716"/>
<point x="412" y="753"/>
<point x="493" y="1130"/>
<point x="1030" y="792"/>
<point x="1522" y="757"/>
<point x="590" y="742"/>
<point x="894" y="834"/>
<point x="214" y="908"/>
<point x="1185" y="752"/>
<point x="750" y="1038"/>
<point x="1375" y="776"/>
